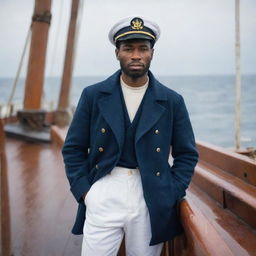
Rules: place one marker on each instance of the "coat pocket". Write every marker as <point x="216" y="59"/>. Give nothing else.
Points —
<point x="178" y="188"/>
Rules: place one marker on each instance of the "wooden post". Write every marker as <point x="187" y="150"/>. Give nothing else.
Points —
<point x="36" y="66"/>
<point x="238" y="76"/>
<point x="69" y="57"/>
<point x="5" y="233"/>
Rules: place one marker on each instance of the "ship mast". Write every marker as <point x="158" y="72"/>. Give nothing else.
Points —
<point x="238" y="75"/>
<point x="62" y="116"/>
<point x="32" y="116"/>
<point x="36" y="66"/>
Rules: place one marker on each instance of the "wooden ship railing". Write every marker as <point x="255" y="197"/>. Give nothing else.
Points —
<point x="5" y="234"/>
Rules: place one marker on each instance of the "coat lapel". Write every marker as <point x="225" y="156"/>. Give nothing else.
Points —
<point x="151" y="110"/>
<point x="110" y="106"/>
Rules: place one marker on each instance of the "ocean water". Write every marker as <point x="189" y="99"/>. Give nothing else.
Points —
<point x="210" y="101"/>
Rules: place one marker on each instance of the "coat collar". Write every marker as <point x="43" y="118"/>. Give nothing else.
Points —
<point x="110" y="106"/>
<point x="109" y="86"/>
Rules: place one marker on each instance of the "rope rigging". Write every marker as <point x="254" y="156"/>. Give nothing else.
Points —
<point x="14" y="86"/>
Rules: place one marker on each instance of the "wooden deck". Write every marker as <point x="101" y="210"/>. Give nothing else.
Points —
<point x="218" y="213"/>
<point x="41" y="205"/>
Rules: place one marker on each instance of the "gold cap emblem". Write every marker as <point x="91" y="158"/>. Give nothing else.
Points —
<point x="137" y="24"/>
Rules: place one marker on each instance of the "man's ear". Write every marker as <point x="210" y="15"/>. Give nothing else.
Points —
<point x="152" y="54"/>
<point x="117" y="53"/>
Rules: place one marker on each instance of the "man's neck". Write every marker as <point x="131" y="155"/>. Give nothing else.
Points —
<point x="134" y="81"/>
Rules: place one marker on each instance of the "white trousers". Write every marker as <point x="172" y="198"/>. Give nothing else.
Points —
<point x="116" y="206"/>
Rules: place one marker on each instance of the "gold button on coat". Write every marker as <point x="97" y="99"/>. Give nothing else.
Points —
<point x="103" y="130"/>
<point x="158" y="174"/>
<point x="156" y="131"/>
<point x="101" y="149"/>
<point x="158" y="149"/>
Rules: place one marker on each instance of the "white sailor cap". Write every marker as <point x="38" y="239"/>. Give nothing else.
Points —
<point x="134" y="28"/>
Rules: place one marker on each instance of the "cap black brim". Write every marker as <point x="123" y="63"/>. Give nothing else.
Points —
<point x="135" y="36"/>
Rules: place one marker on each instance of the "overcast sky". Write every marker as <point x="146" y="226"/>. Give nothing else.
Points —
<point x="197" y="36"/>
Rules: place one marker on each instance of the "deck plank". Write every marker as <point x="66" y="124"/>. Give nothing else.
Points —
<point x="41" y="205"/>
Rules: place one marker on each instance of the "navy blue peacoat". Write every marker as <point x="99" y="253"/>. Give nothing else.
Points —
<point x="94" y="143"/>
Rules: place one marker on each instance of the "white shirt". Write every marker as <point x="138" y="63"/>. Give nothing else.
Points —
<point x="133" y="97"/>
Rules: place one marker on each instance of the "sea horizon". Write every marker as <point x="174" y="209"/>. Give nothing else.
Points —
<point x="210" y="100"/>
<point x="155" y="74"/>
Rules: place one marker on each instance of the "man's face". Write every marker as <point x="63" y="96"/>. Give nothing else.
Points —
<point x="135" y="57"/>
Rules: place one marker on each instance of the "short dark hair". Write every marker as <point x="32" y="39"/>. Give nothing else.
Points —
<point x="119" y="42"/>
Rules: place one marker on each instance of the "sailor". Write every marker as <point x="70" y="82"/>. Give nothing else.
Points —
<point x="117" y="149"/>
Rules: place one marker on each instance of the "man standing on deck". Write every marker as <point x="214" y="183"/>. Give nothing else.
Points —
<point x="117" y="148"/>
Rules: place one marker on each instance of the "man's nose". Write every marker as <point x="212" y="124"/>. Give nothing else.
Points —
<point x="136" y="54"/>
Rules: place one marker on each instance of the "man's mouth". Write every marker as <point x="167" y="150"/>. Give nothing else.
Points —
<point x="136" y="65"/>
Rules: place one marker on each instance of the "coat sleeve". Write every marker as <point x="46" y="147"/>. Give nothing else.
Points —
<point x="184" y="151"/>
<point x="75" y="149"/>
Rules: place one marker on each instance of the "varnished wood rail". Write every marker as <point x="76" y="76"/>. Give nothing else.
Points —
<point x="230" y="179"/>
<point x="58" y="134"/>
<point x="238" y="165"/>
<point x="221" y="203"/>
<point x="202" y="238"/>
<point x="5" y="236"/>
